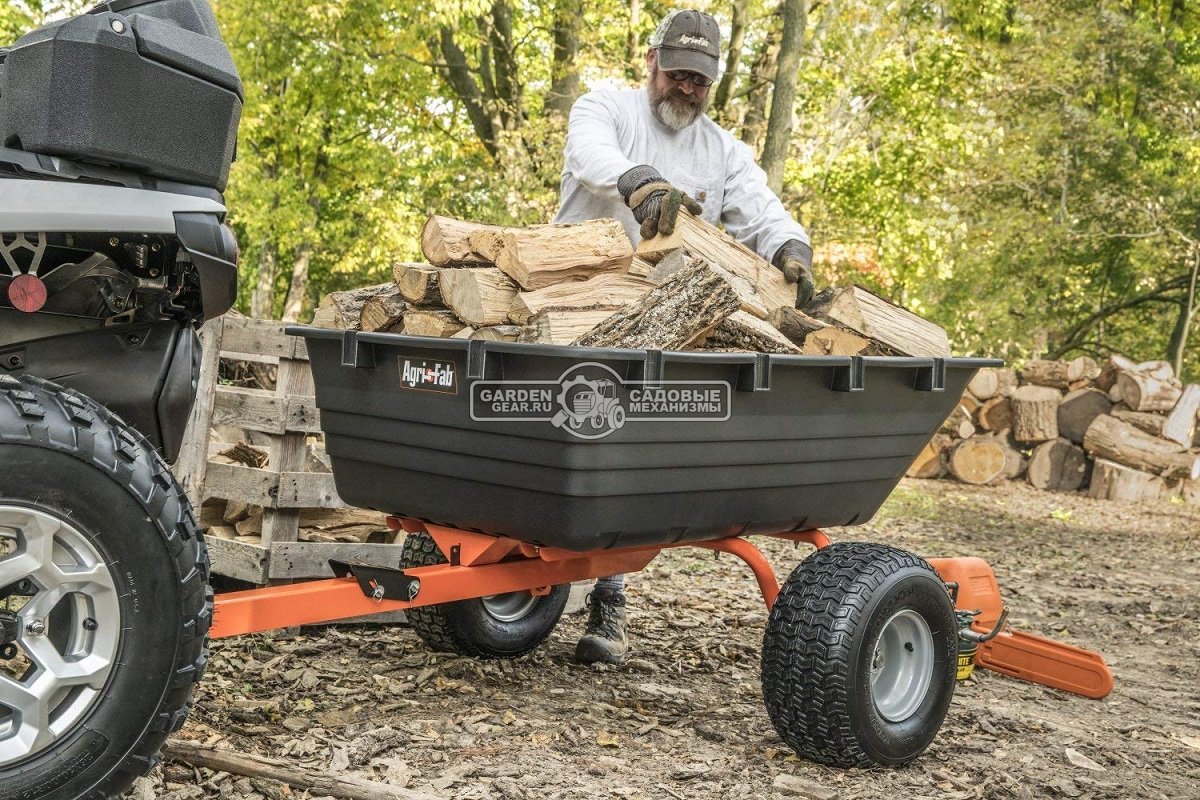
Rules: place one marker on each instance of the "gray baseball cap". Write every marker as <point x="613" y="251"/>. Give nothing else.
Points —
<point x="688" y="40"/>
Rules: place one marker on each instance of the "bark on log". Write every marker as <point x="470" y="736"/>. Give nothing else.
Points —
<point x="541" y="255"/>
<point x="1142" y="420"/>
<point x="1058" y="466"/>
<point x="480" y="296"/>
<point x="343" y="310"/>
<point x="1113" y="481"/>
<point x="1110" y="438"/>
<point x="607" y="292"/>
<point x="1078" y="409"/>
<point x="429" y="322"/>
<point x="742" y="331"/>
<point x="1115" y="365"/>
<point x="1035" y="413"/>
<point x="1144" y="391"/>
<point x="1180" y="425"/>
<point x="498" y="333"/>
<point x="1055" y="374"/>
<point x="418" y="284"/>
<point x="384" y="312"/>
<point x="690" y="304"/>
<point x="995" y="414"/>
<point x="1085" y="368"/>
<point x="978" y="461"/>
<point x="561" y="327"/>
<point x="316" y="781"/>
<point x="795" y="325"/>
<point x="931" y="461"/>
<point x="703" y="240"/>
<point x="869" y="315"/>
<point x="446" y="241"/>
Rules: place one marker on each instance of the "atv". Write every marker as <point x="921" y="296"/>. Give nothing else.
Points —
<point x="117" y="131"/>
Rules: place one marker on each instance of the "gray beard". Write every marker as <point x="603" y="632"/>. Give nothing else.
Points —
<point x="675" y="113"/>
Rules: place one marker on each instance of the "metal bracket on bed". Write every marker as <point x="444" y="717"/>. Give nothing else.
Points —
<point x="379" y="583"/>
<point x="755" y="377"/>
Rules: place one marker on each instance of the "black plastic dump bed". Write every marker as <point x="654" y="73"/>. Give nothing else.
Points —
<point x="588" y="448"/>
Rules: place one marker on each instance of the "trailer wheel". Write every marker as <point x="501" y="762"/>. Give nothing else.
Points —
<point x="859" y="656"/>
<point x="104" y="597"/>
<point x="500" y="626"/>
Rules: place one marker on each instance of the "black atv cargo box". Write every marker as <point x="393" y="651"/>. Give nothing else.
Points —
<point x="145" y="85"/>
<point x="587" y="448"/>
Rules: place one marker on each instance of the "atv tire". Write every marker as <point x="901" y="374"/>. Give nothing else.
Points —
<point x="859" y="656"/>
<point x="107" y="570"/>
<point x="504" y="626"/>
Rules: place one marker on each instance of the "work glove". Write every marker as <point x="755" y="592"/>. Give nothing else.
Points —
<point x="794" y="259"/>
<point x="655" y="202"/>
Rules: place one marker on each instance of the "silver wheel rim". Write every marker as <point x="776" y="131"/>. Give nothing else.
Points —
<point x="902" y="666"/>
<point x="68" y="630"/>
<point x="510" y="606"/>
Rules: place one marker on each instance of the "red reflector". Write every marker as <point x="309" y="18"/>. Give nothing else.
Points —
<point x="27" y="293"/>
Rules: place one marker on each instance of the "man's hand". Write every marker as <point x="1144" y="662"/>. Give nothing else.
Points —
<point x="654" y="202"/>
<point x="794" y="259"/>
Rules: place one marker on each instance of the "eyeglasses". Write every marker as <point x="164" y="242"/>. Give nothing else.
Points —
<point x="683" y="76"/>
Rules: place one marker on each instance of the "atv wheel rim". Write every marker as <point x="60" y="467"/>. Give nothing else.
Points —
<point x="510" y="606"/>
<point x="68" y="633"/>
<point x="902" y="666"/>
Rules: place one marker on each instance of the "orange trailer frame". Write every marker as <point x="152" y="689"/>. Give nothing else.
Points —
<point x="479" y="565"/>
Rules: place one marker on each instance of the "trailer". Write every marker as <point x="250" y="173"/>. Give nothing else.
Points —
<point x="469" y="446"/>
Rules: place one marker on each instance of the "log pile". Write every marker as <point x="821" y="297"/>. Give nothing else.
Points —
<point x="582" y="283"/>
<point x="1124" y="431"/>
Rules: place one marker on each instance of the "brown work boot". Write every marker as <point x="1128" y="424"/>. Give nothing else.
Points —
<point x="605" y="639"/>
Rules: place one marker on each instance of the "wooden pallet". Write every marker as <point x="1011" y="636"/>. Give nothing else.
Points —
<point x="287" y="415"/>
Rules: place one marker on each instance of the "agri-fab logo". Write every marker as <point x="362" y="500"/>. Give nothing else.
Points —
<point x="428" y="375"/>
<point x="591" y="401"/>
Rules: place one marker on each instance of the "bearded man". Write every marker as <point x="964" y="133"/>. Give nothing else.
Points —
<point x="627" y="152"/>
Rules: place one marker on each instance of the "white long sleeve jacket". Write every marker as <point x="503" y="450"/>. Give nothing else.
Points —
<point x="611" y="132"/>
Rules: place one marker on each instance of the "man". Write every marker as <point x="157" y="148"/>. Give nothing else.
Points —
<point x="637" y="156"/>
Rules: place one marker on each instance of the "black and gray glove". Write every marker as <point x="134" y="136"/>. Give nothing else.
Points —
<point x="655" y="202"/>
<point x="794" y="259"/>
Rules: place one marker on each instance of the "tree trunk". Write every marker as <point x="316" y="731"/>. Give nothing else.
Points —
<point x="759" y="90"/>
<point x="298" y="288"/>
<point x="1188" y="308"/>
<point x="779" y="127"/>
<point x="564" y="71"/>
<point x="458" y="76"/>
<point x="262" y="301"/>
<point x="737" y="36"/>
<point x="634" y="63"/>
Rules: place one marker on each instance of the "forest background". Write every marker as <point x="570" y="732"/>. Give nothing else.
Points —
<point x="1026" y="174"/>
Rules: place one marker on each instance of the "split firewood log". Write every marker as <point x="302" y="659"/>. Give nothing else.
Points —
<point x="418" y="283"/>
<point x="1035" y="413"/>
<point x="867" y="314"/>
<point x="817" y="338"/>
<point x="1058" y="465"/>
<point x="1115" y="365"/>
<point x="541" y="255"/>
<point x="561" y="327"/>
<point x="687" y="306"/>
<point x="958" y="424"/>
<point x="1180" y="424"/>
<point x="498" y="333"/>
<point x="343" y="310"/>
<point x="478" y="296"/>
<point x="1147" y="391"/>
<point x="383" y="312"/>
<point x="446" y="241"/>
<point x="742" y="331"/>
<point x="640" y="267"/>
<point x="1113" y="481"/>
<point x="431" y="322"/>
<point x="1078" y="409"/>
<point x="702" y="240"/>
<point x="605" y="292"/>
<point x="1110" y="438"/>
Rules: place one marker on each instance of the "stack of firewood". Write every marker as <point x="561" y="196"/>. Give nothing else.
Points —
<point x="1127" y="431"/>
<point x="583" y="284"/>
